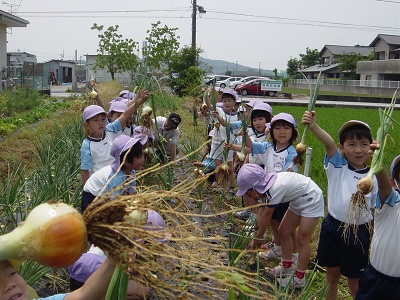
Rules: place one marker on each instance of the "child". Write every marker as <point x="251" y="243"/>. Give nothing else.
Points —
<point x="13" y="286"/>
<point x="120" y="104"/>
<point x="168" y="131"/>
<point x="276" y="156"/>
<point x="95" y="149"/>
<point x="381" y="278"/>
<point x="305" y="207"/>
<point x="208" y="163"/>
<point x="260" y="115"/>
<point x="128" y="158"/>
<point x="344" y="167"/>
<point x="227" y="113"/>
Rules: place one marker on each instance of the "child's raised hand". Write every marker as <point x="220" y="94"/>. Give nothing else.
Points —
<point x="309" y="117"/>
<point x="240" y="132"/>
<point x="197" y="163"/>
<point x="372" y="147"/>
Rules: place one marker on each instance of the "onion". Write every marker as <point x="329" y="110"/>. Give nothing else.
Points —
<point x="147" y="111"/>
<point x="146" y="151"/>
<point x="54" y="235"/>
<point x="217" y="124"/>
<point x="135" y="216"/>
<point x="301" y="148"/>
<point x="225" y="167"/>
<point x="93" y="94"/>
<point x="241" y="156"/>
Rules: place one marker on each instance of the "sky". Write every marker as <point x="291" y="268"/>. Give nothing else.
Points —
<point x="256" y="33"/>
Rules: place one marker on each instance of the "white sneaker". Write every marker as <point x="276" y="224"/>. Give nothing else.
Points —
<point x="280" y="271"/>
<point x="273" y="254"/>
<point x="294" y="283"/>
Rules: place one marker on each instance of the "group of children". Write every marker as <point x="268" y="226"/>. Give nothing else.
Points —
<point x="273" y="193"/>
<point x="292" y="203"/>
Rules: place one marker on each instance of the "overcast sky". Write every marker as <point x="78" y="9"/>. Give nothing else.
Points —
<point x="253" y="33"/>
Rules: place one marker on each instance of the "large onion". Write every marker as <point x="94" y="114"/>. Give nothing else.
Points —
<point x="54" y="235"/>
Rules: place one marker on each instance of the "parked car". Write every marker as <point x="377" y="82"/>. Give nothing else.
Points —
<point x="226" y="82"/>
<point x="216" y="78"/>
<point x="234" y="84"/>
<point x="253" y="87"/>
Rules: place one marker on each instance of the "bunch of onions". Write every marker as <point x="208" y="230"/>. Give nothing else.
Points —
<point x="302" y="147"/>
<point x="359" y="208"/>
<point x="54" y="235"/>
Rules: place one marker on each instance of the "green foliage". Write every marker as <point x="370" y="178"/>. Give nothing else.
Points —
<point x="348" y="63"/>
<point x="17" y="101"/>
<point x="292" y="67"/>
<point x="310" y="58"/>
<point x="184" y="77"/>
<point x="114" y="52"/>
<point x="162" y="46"/>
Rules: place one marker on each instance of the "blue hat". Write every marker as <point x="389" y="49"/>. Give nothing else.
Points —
<point x="252" y="176"/>
<point x="91" y="111"/>
<point x="123" y="143"/>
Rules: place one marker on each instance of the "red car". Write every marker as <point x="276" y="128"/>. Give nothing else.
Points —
<point x="253" y="87"/>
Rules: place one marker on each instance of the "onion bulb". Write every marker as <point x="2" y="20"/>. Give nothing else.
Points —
<point x="93" y="94"/>
<point x="365" y="185"/>
<point x="217" y="124"/>
<point x="146" y="151"/>
<point x="135" y="216"/>
<point x="301" y="148"/>
<point x="241" y="156"/>
<point x="147" y="111"/>
<point x="225" y="168"/>
<point x="54" y="235"/>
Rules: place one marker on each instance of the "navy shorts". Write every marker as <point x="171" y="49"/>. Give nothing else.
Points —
<point x="280" y="211"/>
<point x="87" y="198"/>
<point x="336" y="251"/>
<point x="374" y="285"/>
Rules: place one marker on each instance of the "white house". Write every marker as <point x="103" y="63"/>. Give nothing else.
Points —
<point x="7" y="20"/>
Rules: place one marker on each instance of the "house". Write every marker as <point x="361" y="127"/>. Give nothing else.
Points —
<point x="7" y="21"/>
<point x="61" y="71"/>
<point x="386" y="65"/>
<point x="329" y="60"/>
<point x="103" y="75"/>
<point x="16" y="62"/>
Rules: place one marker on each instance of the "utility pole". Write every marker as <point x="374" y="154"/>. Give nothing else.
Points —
<point x="194" y="24"/>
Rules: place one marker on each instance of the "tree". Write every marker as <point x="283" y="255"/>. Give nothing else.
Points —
<point x="184" y="76"/>
<point x="114" y="52"/>
<point x="348" y="63"/>
<point x="309" y="59"/>
<point x="276" y="73"/>
<point x="162" y="45"/>
<point x="292" y="67"/>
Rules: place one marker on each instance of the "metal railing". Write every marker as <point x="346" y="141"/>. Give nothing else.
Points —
<point x="358" y="83"/>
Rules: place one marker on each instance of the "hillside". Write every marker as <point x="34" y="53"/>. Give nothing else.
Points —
<point x="222" y="66"/>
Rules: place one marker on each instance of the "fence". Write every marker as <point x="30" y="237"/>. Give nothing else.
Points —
<point x="355" y="83"/>
<point x="35" y="76"/>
